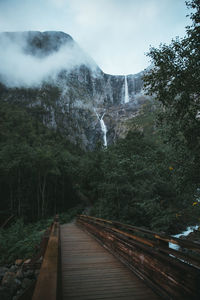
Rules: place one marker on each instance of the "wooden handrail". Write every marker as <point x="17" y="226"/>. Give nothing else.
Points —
<point x="159" y="236"/>
<point x="47" y="283"/>
<point x="172" y="273"/>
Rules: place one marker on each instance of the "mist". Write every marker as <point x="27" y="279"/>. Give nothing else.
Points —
<point x="20" y="68"/>
<point x="115" y="33"/>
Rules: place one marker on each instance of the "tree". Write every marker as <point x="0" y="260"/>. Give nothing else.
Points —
<point x="174" y="83"/>
<point x="38" y="166"/>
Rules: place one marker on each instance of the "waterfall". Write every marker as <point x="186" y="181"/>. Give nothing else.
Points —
<point x="126" y="96"/>
<point x="184" y="233"/>
<point x="103" y="128"/>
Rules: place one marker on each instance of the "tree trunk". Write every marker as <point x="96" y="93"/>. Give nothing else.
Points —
<point x="43" y="195"/>
<point x="19" y="193"/>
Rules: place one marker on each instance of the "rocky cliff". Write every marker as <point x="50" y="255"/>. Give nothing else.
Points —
<point x="49" y="72"/>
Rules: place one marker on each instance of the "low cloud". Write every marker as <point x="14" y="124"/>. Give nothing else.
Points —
<point x="116" y="33"/>
<point x="18" y="68"/>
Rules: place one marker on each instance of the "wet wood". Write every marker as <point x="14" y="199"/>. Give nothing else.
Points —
<point x="89" y="271"/>
<point x="47" y="282"/>
<point x="156" y="236"/>
<point x="149" y="257"/>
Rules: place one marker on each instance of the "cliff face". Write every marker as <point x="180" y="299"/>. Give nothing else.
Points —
<point x="84" y="103"/>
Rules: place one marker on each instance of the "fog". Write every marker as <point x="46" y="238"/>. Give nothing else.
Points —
<point x="115" y="33"/>
<point x="21" y="69"/>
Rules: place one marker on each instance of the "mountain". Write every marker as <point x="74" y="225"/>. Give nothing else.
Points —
<point x="49" y="72"/>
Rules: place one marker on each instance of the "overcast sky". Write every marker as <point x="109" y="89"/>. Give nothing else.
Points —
<point x="115" y="33"/>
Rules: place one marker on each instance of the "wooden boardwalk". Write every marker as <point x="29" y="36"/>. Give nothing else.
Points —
<point x="90" y="272"/>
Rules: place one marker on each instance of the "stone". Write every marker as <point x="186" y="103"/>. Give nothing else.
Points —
<point x="27" y="261"/>
<point x="17" y="282"/>
<point x="19" y="274"/>
<point x="8" y="279"/>
<point x="105" y="92"/>
<point x="37" y="272"/>
<point x="5" y="293"/>
<point x="3" y="270"/>
<point x="29" y="274"/>
<point x="26" y="283"/>
<point x="40" y="259"/>
<point x="13" y="268"/>
<point x="18" y="294"/>
<point x="18" y="262"/>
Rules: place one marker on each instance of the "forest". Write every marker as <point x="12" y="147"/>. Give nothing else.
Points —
<point x="149" y="179"/>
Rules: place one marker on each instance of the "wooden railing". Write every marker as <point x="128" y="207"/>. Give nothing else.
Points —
<point x="173" y="274"/>
<point x="48" y="282"/>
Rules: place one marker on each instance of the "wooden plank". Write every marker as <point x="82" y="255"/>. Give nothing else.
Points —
<point x="151" y="261"/>
<point x="90" y="272"/>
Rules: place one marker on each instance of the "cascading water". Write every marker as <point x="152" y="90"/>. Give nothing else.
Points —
<point x="126" y="95"/>
<point x="103" y="128"/>
<point x="184" y="233"/>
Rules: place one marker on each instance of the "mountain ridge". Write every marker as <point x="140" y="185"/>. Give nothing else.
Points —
<point x="81" y="87"/>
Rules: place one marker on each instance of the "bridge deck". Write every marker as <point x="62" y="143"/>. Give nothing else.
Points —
<point x="90" y="272"/>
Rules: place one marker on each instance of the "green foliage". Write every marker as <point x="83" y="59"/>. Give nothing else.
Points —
<point x="149" y="179"/>
<point x="141" y="180"/>
<point x="174" y="82"/>
<point x="37" y="165"/>
<point x="20" y="240"/>
<point x="70" y="215"/>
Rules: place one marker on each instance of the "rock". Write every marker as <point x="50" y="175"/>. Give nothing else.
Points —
<point x="5" y="293"/>
<point x="18" y="262"/>
<point x="8" y="279"/>
<point x="75" y="94"/>
<point x="26" y="283"/>
<point x="20" y="292"/>
<point x="40" y="259"/>
<point x="27" y="261"/>
<point x="13" y="268"/>
<point x="17" y="282"/>
<point x="18" y="295"/>
<point x="37" y="272"/>
<point x="29" y="274"/>
<point x="19" y="274"/>
<point x="3" y="270"/>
